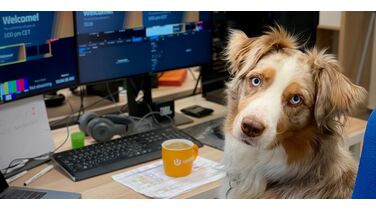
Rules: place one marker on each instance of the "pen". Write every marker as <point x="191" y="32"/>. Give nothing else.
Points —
<point x="39" y="174"/>
<point x="15" y="177"/>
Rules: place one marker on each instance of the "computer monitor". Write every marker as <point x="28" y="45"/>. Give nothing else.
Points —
<point x="114" y="45"/>
<point x="37" y="53"/>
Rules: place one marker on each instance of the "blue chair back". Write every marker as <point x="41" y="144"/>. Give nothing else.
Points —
<point x="365" y="184"/>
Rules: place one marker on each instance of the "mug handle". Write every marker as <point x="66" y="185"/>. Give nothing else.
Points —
<point x="195" y="151"/>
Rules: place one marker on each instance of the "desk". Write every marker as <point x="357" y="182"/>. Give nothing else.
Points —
<point x="104" y="187"/>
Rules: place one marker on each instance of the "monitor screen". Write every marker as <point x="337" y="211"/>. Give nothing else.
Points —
<point x="37" y="53"/>
<point x="114" y="45"/>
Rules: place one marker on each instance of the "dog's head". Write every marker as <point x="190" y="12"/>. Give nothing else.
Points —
<point x="280" y="95"/>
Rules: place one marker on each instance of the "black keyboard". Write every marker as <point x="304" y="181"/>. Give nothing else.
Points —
<point x="100" y="158"/>
<point x="22" y="194"/>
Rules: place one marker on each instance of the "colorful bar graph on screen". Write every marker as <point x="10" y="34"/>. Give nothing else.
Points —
<point x="10" y="89"/>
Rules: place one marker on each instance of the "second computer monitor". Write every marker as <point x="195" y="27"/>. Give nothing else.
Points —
<point x="113" y="45"/>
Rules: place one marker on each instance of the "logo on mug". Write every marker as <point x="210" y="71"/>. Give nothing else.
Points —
<point x="177" y="162"/>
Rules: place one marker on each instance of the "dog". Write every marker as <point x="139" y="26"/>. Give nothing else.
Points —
<point x="286" y="110"/>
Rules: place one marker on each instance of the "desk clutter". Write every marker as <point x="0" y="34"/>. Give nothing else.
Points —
<point x="151" y="180"/>
<point x="145" y="125"/>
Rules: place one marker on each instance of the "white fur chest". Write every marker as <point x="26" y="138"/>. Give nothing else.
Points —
<point x="249" y="168"/>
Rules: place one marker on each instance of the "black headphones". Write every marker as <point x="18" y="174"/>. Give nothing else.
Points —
<point x="103" y="128"/>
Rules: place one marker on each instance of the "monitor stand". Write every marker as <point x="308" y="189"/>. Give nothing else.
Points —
<point x="140" y="100"/>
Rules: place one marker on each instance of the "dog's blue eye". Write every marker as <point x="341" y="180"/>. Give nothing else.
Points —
<point x="296" y="100"/>
<point x="255" y="81"/>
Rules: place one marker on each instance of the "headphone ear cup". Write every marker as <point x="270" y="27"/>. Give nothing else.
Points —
<point x="101" y="129"/>
<point x="84" y="121"/>
<point x="119" y="129"/>
<point x="122" y="124"/>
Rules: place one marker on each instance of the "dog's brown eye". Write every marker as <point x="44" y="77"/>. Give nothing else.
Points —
<point x="255" y="81"/>
<point x="296" y="100"/>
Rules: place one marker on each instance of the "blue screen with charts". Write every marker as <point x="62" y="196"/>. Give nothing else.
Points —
<point x="114" y="45"/>
<point x="37" y="53"/>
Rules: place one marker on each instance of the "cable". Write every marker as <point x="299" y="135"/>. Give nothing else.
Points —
<point x="151" y="113"/>
<point x="109" y="93"/>
<point x="65" y="140"/>
<point x="191" y="72"/>
<point x="160" y="75"/>
<point x="151" y="110"/>
<point x="197" y="81"/>
<point x="86" y="107"/>
<point x="67" y="127"/>
<point x="5" y="171"/>
<point x="81" y="109"/>
<point x="102" y="99"/>
<point x="112" y="97"/>
<point x="11" y="165"/>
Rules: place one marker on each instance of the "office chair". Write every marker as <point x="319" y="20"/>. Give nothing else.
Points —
<point x="365" y="183"/>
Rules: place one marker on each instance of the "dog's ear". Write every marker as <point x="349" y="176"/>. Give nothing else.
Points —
<point x="242" y="51"/>
<point x="237" y="50"/>
<point x="336" y="95"/>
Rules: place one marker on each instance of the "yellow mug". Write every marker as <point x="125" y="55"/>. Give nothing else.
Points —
<point x="178" y="156"/>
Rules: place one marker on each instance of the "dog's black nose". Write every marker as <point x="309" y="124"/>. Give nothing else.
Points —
<point x="252" y="127"/>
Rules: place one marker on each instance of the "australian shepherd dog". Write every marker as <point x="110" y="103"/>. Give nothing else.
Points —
<point x="286" y="110"/>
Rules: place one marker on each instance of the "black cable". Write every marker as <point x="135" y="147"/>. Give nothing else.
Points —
<point x="191" y="72"/>
<point x="160" y="75"/>
<point x="102" y="99"/>
<point x="112" y="97"/>
<point x="11" y="164"/>
<point x="86" y="107"/>
<point x="67" y="127"/>
<point x="197" y="82"/>
<point x="109" y="93"/>
<point x="42" y="155"/>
